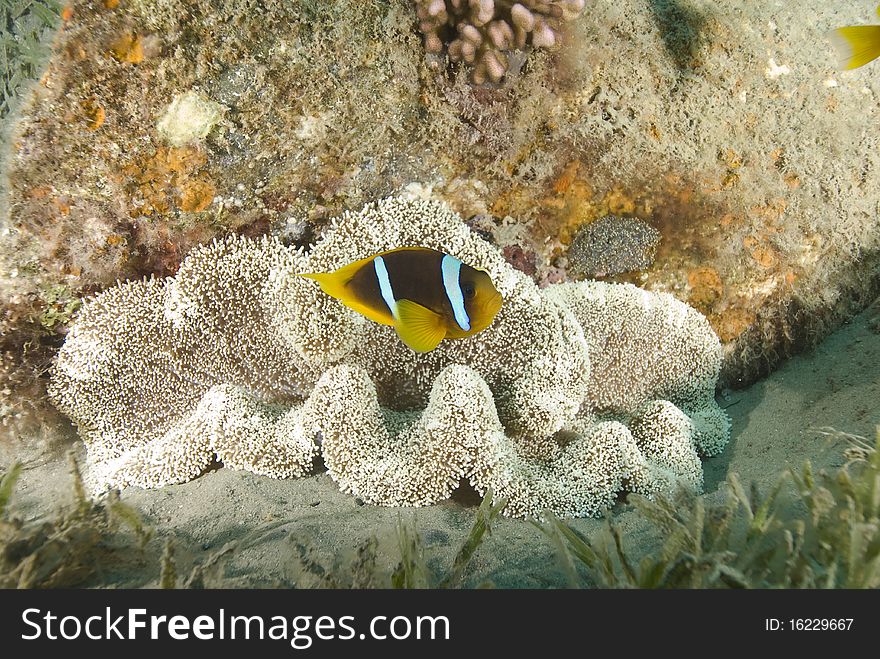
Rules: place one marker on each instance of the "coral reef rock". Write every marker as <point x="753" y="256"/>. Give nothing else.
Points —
<point x="707" y="120"/>
<point x="486" y="33"/>
<point x="575" y="393"/>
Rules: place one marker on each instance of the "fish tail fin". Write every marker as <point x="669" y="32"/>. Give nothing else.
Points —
<point x="334" y="283"/>
<point x="856" y="45"/>
<point x="330" y="282"/>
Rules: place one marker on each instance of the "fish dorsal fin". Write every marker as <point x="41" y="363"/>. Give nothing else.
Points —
<point x="419" y="327"/>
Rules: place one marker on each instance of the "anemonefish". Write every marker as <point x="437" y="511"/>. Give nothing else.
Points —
<point x="856" y="45"/>
<point x="426" y="295"/>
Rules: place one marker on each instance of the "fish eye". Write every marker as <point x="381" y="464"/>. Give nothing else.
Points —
<point x="468" y="289"/>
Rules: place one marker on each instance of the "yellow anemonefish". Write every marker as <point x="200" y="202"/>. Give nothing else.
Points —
<point x="426" y="295"/>
<point x="856" y="45"/>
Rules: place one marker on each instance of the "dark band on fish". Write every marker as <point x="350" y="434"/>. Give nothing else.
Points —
<point x="429" y="278"/>
<point x="406" y="270"/>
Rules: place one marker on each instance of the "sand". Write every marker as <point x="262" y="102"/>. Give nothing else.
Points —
<point x="775" y="426"/>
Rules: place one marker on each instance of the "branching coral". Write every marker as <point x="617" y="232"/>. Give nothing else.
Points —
<point x="483" y="33"/>
<point x="237" y="358"/>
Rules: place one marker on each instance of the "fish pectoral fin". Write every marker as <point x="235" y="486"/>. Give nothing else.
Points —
<point x="419" y="327"/>
<point x="856" y="45"/>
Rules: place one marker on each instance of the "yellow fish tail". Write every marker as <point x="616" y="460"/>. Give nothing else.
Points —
<point x="330" y="283"/>
<point x="856" y="45"/>
<point x="335" y="285"/>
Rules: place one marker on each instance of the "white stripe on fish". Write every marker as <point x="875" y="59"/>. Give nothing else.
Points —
<point x="450" y="268"/>
<point x="385" y="284"/>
